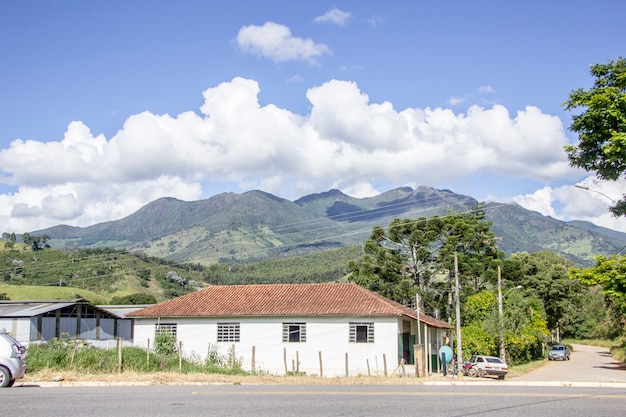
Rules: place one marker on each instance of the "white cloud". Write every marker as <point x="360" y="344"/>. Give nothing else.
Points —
<point x="571" y="203"/>
<point x="485" y="89"/>
<point x="275" y="42"/>
<point x="345" y="142"/>
<point x="375" y="20"/>
<point x="540" y="201"/>
<point x="334" y="16"/>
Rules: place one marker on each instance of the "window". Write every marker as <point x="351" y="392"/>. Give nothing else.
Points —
<point x="294" y="332"/>
<point x="228" y="332"/>
<point x="165" y="328"/>
<point x="362" y="332"/>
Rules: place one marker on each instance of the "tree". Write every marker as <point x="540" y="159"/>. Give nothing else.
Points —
<point x="609" y="273"/>
<point x="408" y="256"/>
<point x="601" y="126"/>
<point x="134" y="299"/>
<point x="545" y="275"/>
<point x="35" y="242"/>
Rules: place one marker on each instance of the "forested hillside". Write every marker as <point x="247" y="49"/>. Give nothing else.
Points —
<point x="110" y="273"/>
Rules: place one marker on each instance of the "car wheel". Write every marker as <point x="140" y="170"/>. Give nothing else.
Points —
<point x="481" y="373"/>
<point x="500" y="376"/>
<point x="5" y="377"/>
<point x="472" y="372"/>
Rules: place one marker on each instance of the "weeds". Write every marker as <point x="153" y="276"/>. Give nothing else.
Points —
<point x="65" y="354"/>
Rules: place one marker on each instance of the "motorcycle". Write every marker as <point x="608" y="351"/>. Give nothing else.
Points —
<point x="469" y="369"/>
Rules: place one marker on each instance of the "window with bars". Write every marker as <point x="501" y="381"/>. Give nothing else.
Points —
<point x="228" y="332"/>
<point x="362" y="332"/>
<point x="165" y="328"/>
<point x="294" y="332"/>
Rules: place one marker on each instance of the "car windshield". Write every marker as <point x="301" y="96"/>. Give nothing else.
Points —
<point x="558" y="348"/>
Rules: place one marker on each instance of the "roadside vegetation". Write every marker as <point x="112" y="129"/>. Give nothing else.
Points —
<point x="68" y="355"/>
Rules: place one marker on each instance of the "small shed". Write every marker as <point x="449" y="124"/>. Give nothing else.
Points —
<point x="42" y="320"/>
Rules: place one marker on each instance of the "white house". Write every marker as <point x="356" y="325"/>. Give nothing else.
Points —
<point x="326" y="329"/>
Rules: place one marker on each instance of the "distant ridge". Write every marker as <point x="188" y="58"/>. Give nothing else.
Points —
<point x="231" y="227"/>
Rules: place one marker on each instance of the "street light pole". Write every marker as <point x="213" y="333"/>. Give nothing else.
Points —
<point x="586" y="187"/>
<point x="501" y="314"/>
<point x="500" y="317"/>
<point x="459" y="346"/>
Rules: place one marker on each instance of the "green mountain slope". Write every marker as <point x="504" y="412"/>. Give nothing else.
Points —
<point x="255" y="225"/>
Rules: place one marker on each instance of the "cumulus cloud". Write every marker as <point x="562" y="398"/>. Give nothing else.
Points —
<point x="335" y="16"/>
<point x="569" y="202"/>
<point x="275" y="42"/>
<point x="345" y="142"/>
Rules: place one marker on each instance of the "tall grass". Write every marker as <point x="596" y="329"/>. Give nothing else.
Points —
<point x="64" y="354"/>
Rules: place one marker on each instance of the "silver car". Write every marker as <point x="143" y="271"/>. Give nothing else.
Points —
<point x="12" y="360"/>
<point x="559" y="352"/>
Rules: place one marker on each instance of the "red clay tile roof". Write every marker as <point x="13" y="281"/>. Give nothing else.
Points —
<point x="328" y="299"/>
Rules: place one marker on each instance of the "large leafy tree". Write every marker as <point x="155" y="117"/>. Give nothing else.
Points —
<point x="525" y="328"/>
<point x="610" y="274"/>
<point x="545" y="275"/>
<point x="406" y="258"/>
<point x="601" y="126"/>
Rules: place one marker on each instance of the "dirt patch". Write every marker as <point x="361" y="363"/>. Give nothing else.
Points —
<point x="169" y="378"/>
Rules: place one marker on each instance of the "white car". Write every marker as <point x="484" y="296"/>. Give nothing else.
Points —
<point x="12" y="356"/>
<point x="490" y="365"/>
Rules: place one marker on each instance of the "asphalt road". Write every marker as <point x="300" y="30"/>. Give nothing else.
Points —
<point x="313" y="401"/>
<point x="557" y="388"/>
<point x="586" y="364"/>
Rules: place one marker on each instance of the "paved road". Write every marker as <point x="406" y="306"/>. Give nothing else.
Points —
<point x="587" y="364"/>
<point x="312" y="401"/>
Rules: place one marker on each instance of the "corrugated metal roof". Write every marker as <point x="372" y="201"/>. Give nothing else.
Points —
<point x="30" y="308"/>
<point x="120" y="311"/>
<point x="33" y="308"/>
<point x="327" y="299"/>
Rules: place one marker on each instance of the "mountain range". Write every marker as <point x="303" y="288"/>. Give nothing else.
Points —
<point x="256" y="225"/>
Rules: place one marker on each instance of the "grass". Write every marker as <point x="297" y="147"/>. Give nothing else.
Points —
<point x="36" y="292"/>
<point x="517" y="370"/>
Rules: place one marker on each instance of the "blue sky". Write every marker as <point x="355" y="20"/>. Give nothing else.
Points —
<point x="106" y="106"/>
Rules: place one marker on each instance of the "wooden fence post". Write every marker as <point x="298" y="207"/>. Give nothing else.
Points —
<point x="285" y="360"/>
<point x="119" y="355"/>
<point x="347" y="373"/>
<point x="321" y="366"/>
<point x="368" y="367"/>
<point x="180" y="356"/>
<point x="232" y="358"/>
<point x="253" y="363"/>
<point x="385" y="363"/>
<point x="297" y="362"/>
<point x="148" y="354"/>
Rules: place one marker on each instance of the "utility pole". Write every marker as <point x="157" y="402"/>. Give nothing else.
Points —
<point x="501" y="317"/>
<point x="459" y="347"/>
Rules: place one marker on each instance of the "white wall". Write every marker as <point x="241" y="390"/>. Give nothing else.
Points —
<point x="19" y="328"/>
<point x="330" y="336"/>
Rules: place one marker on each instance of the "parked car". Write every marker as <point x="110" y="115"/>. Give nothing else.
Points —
<point x="12" y="360"/>
<point x="559" y="352"/>
<point x="489" y="365"/>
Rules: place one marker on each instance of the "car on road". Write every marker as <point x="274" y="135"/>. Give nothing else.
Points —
<point x="559" y="352"/>
<point x="489" y="365"/>
<point x="12" y="360"/>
